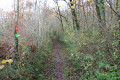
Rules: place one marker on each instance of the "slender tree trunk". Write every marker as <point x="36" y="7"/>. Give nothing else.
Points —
<point x="75" y="20"/>
<point x="111" y="2"/>
<point x="119" y="22"/>
<point x="60" y="18"/>
<point x="93" y="15"/>
<point x="98" y="11"/>
<point x="102" y="10"/>
<point x="59" y="15"/>
<point x="61" y="23"/>
<point x="16" y="27"/>
<point x="117" y="9"/>
<point x="85" y="16"/>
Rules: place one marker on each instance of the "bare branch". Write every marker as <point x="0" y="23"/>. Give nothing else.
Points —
<point x="112" y="8"/>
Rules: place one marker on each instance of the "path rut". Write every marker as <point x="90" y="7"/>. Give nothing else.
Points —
<point x="59" y="59"/>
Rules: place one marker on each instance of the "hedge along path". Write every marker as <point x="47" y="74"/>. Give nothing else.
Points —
<point x="59" y="59"/>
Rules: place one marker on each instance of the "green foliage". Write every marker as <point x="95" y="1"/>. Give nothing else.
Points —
<point x="29" y="66"/>
<point x="89" y="55"/>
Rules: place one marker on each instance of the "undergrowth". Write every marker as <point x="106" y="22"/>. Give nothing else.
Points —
<point x="92" y="55"/>
<point x="29" y="66"/>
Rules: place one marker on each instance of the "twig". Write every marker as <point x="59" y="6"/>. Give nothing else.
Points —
<point x="112" y="8"/>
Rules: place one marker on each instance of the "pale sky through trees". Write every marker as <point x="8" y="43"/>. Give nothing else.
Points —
<point x="6" y="5"/>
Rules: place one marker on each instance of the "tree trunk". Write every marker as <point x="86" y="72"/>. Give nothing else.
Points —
<point x="85" y="16"/>
<point x="59" y="15"/>
<point x="102" y="10"/>
<point x="98" y="11"/>
<point x="75" y="20"/>
<point x="16" y="29"/>
<point x="117" y="9"/>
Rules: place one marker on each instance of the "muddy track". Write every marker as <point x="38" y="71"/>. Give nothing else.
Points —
<point x="59" y="59"/>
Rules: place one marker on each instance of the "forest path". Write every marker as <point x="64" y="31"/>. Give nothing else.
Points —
<point x="58" y="58"/>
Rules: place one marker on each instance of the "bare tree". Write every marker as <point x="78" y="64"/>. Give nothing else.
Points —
<point x="98" y="11"/>
<point x="60" y="16"/>
<point x="75" y="18"/>
<point x="16" y="28"/>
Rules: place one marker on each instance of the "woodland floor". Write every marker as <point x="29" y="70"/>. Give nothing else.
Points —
<point x="56" y="62"/>
<point x="59" y="59"/>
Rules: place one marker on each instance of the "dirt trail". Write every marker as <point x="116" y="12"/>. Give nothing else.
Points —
<point x="59" y="59"/>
